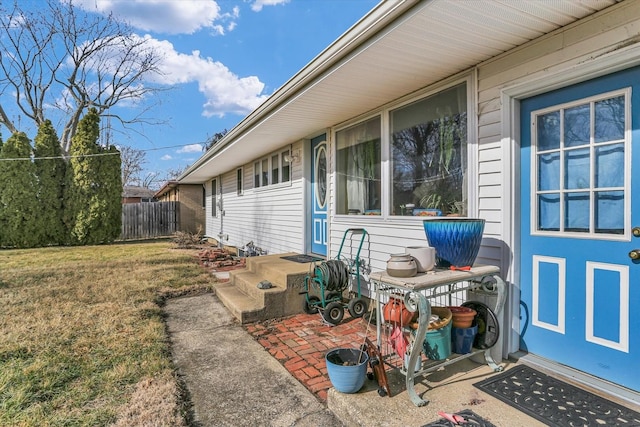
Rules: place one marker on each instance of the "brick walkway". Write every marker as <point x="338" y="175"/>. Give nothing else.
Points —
<point x="300" y="343"/>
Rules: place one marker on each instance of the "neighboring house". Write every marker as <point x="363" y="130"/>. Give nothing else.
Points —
<point x="135" y="194"/>
<point x="523" y="113"/>
<point x="190" y="198"/>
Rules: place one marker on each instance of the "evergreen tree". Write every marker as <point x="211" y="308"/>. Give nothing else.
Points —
<point x="94" y="212"/>
<point x="19" y="222"/>
<point x="50" y="170"/>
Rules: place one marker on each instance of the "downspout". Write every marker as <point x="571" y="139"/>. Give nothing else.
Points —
<point x="221" y="234"/>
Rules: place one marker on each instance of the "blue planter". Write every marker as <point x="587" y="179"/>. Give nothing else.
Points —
<point x="457" y="240"/>
<point x="347" y="369"/>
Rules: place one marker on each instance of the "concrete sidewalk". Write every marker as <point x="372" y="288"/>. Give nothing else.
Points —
<point x="231" y="379"/>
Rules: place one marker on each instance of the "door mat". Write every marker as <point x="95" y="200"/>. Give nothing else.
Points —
<point x="470" y="419"/>
<point x="302" y="258"/>
<point x="555" y="402"/>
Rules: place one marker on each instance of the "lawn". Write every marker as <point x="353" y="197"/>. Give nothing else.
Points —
<point x="82" y="335"/>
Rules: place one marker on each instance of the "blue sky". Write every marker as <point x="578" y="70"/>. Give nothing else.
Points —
<point x="223" y="58"/>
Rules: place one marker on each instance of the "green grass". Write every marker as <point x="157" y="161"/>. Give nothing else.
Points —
<point x="81" y="328"/>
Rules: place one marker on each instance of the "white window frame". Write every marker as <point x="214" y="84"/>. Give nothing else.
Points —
<point x="385" y="173"/>
<point x="240" y="181"/>
<point x="268" y="160"/>
<point x="214" y="197"/>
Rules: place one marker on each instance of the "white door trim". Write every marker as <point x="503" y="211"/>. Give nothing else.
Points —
<point x="551" y="78"/>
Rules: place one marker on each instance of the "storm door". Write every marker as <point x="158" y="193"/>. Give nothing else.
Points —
<point x="580" y="281"/>
<point x="319" y="195"/>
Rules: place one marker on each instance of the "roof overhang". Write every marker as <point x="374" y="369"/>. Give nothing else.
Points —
<point x="399" y="47"/>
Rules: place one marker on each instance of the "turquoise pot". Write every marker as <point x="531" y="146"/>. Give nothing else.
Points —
<point x="347" y="369"/>
<point x="457" y="240"/>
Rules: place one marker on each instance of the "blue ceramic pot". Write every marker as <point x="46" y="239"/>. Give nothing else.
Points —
<point x="347" y="369"/>
<point x="457" y="240"/>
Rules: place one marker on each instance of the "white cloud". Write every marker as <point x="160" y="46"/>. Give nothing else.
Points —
<point x="257" y="5"/>
<point x="191" y="148"/>
<point x="224" y="91"/>
<point x="166" y="157"/>
<point x="162" y="16"/>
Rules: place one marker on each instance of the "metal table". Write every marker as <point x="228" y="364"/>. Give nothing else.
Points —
<point x="418" y="291"/>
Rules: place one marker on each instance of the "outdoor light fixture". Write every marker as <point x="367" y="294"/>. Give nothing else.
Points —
<point x="292" y="158"/>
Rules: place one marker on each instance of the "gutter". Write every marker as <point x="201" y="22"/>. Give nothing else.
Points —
<point x="373" y="22"/>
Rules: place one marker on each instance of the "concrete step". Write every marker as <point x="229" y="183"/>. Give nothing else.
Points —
<point x="284" y="299"/>
<point x="247" y="282"/>
<point x="243" y="307"/>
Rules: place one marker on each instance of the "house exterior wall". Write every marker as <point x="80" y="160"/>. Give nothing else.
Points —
<point x="169" y="196"/>
<point x="492" y="160"/>
<point x="271" y="217"/>
<point x="568" y="49"/>
<point x="191" y="209"/>
<point x="393" y="234"/>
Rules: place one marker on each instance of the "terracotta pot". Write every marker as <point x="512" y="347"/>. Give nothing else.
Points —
<point x="462" y="316"/>
<point x="395" y="312"/>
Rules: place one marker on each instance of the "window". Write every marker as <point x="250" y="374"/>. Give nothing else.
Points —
<point x="273" y="169"/>
<point x="429" y="155"/>
<point x="265" y="172"/>
<point x="358" y="168"/>
<point x="286" y="174"/>
<point x="239" y="181"/>
<point x="580" y="166"/>
<point x="204" y="197"/>
<point x="214" y="197"/>
<point x="256" y="174"/>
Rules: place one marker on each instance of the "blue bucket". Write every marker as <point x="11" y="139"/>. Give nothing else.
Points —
<point x="437" y="344"/>
<point x="347" y="369"/>
<point x="462" y="339"/>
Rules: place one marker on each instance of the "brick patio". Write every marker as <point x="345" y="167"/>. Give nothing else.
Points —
<point x="300" y="343"/>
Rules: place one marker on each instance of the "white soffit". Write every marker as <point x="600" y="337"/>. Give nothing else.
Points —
<point x="429" y="42"/>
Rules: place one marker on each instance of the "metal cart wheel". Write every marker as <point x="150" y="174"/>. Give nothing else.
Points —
<point x="333" y="313"/>
<point x="310" y="304"/>
<point x="357" y="307"/>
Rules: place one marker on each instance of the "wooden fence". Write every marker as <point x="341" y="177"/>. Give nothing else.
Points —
<point x="149" y="220"/>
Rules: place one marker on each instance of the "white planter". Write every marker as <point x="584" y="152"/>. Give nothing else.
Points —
<point x="425" y="257"/>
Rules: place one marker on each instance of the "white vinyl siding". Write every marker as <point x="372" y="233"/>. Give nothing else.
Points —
<point x="567" y="49"/>
<point x="271" y="216"/>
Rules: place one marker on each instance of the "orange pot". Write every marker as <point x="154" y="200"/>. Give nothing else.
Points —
<point x="395" y="312"/>
<point x="462" y="316"/>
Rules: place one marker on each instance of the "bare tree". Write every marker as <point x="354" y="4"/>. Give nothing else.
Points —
<point x="132" y="161"/>
<point x="58" y="59"/>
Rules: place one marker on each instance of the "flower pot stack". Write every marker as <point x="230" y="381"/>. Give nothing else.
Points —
<point x="464" y="329"/>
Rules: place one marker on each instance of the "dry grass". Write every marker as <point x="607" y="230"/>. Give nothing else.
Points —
<point x="82" y="338"/>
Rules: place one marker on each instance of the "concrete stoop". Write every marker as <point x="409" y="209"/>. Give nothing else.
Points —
<point x="249" y="304"/>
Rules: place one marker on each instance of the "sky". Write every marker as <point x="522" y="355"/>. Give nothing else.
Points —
<point x="222" y="58"/>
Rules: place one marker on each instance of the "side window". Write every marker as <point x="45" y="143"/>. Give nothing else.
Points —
<point x="275" y="169"/>
<point x="256" y="175"/>
<point x="214" y="197"/>
<point x="265" y="172"/>
<point x="239" y="181"/>
<point x="286" y="167"/>
<point x="358" y="162"/>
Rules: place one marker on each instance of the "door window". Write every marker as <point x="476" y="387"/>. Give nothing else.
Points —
<point x="581" y="167"/>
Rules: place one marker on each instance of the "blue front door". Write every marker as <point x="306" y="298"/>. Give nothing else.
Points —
<point x="579" y="282"/>
<point x="319" y="195"/>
